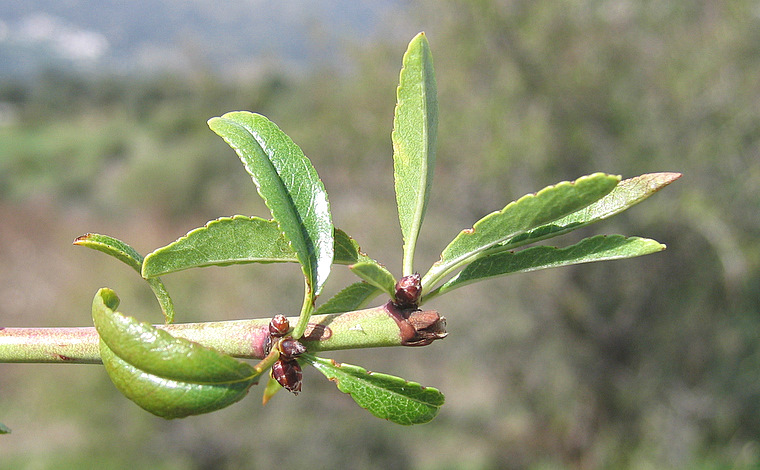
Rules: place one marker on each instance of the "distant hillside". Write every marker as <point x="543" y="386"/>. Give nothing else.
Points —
<point x="229" y="36"/>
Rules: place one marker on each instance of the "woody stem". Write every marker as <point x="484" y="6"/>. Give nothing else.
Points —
<point x="374" y="327"/>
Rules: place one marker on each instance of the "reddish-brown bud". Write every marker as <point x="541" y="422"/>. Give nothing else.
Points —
<point x="417" y="327"/>
<point x="279" y="326"/>
<point x="288" y="374"/>
<point x="291" y="348"/>
<point x="408" y="290"/>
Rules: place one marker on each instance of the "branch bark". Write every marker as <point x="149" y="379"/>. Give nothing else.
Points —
<point x="380" y="326"/>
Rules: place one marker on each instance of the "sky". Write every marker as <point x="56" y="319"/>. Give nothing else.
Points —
<point x="231" y="36"/>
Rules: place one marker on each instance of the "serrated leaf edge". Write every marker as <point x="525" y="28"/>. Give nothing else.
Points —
<point x="320" y="365"/>
<point x="441" y="268"/>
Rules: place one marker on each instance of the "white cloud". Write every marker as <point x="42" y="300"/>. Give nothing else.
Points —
<point x="66" y="40"/>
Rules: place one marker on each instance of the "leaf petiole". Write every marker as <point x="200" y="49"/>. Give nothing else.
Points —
<point x="306" y="310"/>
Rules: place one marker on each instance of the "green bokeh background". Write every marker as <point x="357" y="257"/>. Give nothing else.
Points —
<point x="646" y="363"/>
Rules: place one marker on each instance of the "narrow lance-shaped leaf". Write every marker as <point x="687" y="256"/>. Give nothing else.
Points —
<point x="415" y="128"/>
<point x="237" y="240"/>
<point x="626" y="194"/>
<point x="598" y="248"/>
<point x="170" y="377"/>
<point x="385" y="396"/>
<point x="112" y="247"/>
<point x="527" y="213"/>
<point x="290" y="187"/>
<point x="128" y="255"/>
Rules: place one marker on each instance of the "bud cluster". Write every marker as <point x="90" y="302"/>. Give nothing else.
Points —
<point x="286" y="370"/>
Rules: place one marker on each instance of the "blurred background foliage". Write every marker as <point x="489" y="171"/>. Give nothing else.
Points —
<point x="647" y="363"/>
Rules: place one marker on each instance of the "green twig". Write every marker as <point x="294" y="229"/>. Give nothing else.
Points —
<point x="368" y="328"/>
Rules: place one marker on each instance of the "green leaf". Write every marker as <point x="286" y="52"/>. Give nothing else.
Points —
<point x="598" y="248"/>
<point x="415" y="128"/>
<point x="128" y="255"/>
<point x="525" y="214"/>
<point x="290" y="187"/>
<point x="236" y="240"/>
<point x="385" y="396"/>
<point x="273" y="387"/>
<point x="377" y="275"/>
<point x="362" y="265"/>
<point x="112" y="247"/>
<point x="170" y="377"/>
<point x="4" y="429"/>
<point x="347" y="250"/>
<point x="224" y="241"/>
<point x="354" y="297"/>
<point x="170" y="398"/>
<point x="626" y="194"/>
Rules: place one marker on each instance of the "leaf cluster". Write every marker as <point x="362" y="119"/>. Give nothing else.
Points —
<point x="173" y="377"/>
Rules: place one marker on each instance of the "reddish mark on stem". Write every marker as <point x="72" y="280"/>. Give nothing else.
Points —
<point x="260" y="340"/>
<point x="63" y="358"/>
<point x="317" y="332"/>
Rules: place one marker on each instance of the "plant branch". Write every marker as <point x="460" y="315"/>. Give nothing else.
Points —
<point x="369" y="328"/>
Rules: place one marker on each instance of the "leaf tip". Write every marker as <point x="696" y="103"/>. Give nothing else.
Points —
<point x="670" y="176"/>
<point x="108" y="297"/>
<point x="421" y="39"/>
<point x="80" y="240"/>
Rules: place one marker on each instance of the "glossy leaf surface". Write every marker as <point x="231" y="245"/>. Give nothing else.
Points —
<point x="385" y="396"/>
<point x="598" y="248"/>
<point x="289" y="185"/>
<point x="525" y="214"/>
<point x="415" y="125"/>
<point x="170" y="398"/>
<point x="170" y="377"/>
